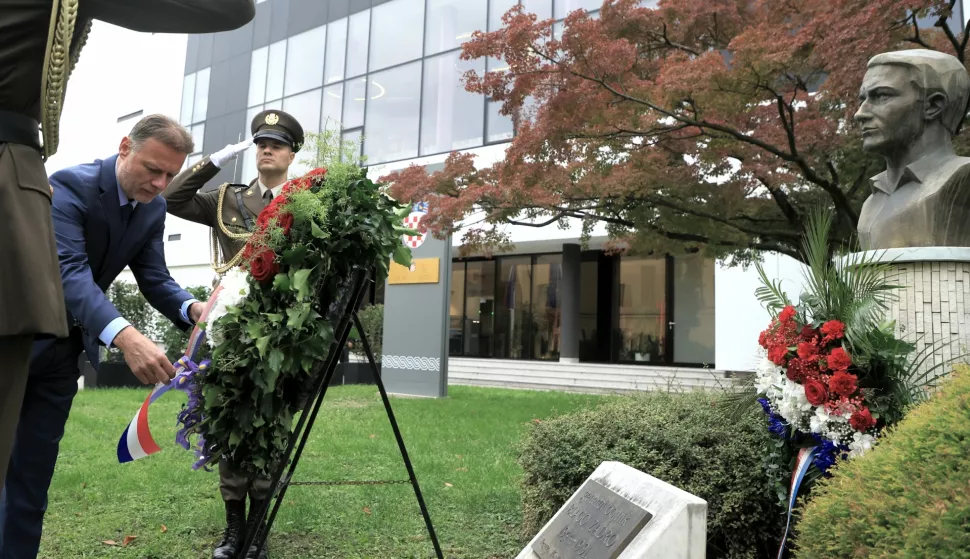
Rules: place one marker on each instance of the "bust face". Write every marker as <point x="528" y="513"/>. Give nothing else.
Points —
<point x="891" y="114"/>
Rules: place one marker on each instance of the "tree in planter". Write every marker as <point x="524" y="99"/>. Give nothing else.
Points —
<point x="372" y="319"/>
<point x="171" y="336"/>
<point x="133" y="306"/>
<point x="695" y="126"/>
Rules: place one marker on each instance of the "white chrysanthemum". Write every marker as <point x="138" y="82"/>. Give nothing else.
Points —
<point x="820" y="421"/>
<point x="235" y="289"/>
<point x="769" y="379"/>
<point x="860" y="444"/>
<point x="793" y="405"/>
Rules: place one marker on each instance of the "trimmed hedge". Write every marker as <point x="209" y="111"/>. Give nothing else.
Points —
<point x="909" y="497"/>
<point x="685" y="440"/>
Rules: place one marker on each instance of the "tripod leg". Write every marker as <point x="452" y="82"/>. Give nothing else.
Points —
<point x="397" y="435"/>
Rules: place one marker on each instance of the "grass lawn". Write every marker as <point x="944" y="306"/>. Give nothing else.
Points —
<point x="462" y="448"/>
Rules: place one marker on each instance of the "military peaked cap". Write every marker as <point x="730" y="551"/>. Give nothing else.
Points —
<point x="279" y="126"/>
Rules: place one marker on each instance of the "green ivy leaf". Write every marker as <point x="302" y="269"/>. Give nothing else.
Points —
<point x="254" y="330"/>
<point x="281" y="282"/>
<point x="402" y="255"/>
<point x="275" y="361"/>
<point x="275" y="318"/>
<point x="295" y="256"/>
<point x="316" y="231"/>
<point x="301" y="283"/>
<point x="261" y="344"/>
<point x="297" y="316"/>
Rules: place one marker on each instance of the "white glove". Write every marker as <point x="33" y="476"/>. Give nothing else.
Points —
<point x="220" y="157"/>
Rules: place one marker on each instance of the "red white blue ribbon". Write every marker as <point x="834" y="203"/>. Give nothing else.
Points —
<point x="802" y="463"/>
<point x="137" y="441"/>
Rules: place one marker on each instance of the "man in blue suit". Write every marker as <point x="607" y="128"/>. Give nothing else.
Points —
<point x="107" y="215"/>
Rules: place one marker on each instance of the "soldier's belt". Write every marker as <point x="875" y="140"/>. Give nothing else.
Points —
<point x="16" y="128"/>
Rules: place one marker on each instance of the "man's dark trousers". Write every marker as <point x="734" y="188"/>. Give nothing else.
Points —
<point x="51" y="387"/>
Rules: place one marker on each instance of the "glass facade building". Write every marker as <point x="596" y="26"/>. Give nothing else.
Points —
<point x="389" y="70"/>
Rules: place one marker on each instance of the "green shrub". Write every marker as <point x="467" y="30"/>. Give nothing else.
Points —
<point x="908" y="497"/>
<point x="170" y="335"/>
<point x="685" y="440"/>
<point x="133" y="306"/>
<point x="372" y="319"/>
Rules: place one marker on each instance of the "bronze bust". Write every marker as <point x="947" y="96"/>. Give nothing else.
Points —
<point x="913" y="102"/>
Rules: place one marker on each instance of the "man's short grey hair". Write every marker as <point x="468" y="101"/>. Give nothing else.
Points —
<point x="163" y="129"/>
<point x="934" y="72"/>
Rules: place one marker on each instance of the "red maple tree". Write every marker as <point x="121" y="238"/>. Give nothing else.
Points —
<point x="702" y="126"/>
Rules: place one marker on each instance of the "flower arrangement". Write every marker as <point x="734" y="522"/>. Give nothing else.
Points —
<point x="268" y="328"/>
<point x="832" y="375"/>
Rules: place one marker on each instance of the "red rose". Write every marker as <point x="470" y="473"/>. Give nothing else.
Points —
<point x="787" y="314"/>
<point x="807" y="350"/>
<point x="862" y="420"/>
<point x="777" y="354"/>
<point x="268" y="213"/>
<point x="285" y="221"/>
<point x="833" y="329"/>
<point x="843" y="383"/>
<point x="263" y="266"/>
<point x="839" y="359"/>
<point x="815" y="392"/>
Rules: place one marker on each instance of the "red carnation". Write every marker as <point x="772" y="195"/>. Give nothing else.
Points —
<point x="839" y="359"/>
<point x="263" y="266"/>
<point x="777" y="354"/>
<point x="763" y="339"/>
<point x="787" y="314"/>
<point x="318" y="172"/>
<point x="833" y="329"/>
<point x="268" y="213"/>
<point x="807" y="351"/>
<point x="862" y="420"/>
<point x="843" y="383"/>
<point x="815" y="392"/>
<point x="808" y="333"/>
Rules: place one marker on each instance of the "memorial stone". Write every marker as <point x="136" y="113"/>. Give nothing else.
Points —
<point x="622" y="513"/>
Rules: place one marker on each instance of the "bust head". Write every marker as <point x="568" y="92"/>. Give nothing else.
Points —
<point x="905" y="93"/>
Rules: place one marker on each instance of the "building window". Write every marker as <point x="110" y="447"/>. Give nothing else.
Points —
<point x="257" y="76"/>
<point x="332" y="105"/>
<point x="354" y="137"/>
<point x="198" y="136"/>
<point x="305" y="108"/>
<point x="195" y="97"/>
<point x="355" y="94"/>
<point x="304" y="64"/>
<point x="565" y="7"/>
<point x="390" y="46"/>
<point x="541" y="8"/>
<point x="452" y="22"/>
<point x="336" y="51"/>
<point x="514" y="323"/>
<point x="499" y="127"/>
<point x="456" y="309"/>
<point x="641" y="318"/>
<point x="451" y="118"/>
<point x="546" y="308"/>
<point x="589" y="346"/>
<point x="358" y="34"/>
<point x="479" y="332"/>
<point x="393" y="114"/>
<point x="276" y="71"/>
<point x="693" y="327"/>
<point x="497" y="9"/>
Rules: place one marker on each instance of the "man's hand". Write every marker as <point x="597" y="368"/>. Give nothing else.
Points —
<point x="195" y="312"/>
<point x="146" y="361"/>
<point x="222" y="156"/>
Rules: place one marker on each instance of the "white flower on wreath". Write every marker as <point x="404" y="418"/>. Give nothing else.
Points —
<point x="860" y="444"/>
<point x="769" y="379"/>
<point x="235" y="289"/>
<point x="793" y="405"/>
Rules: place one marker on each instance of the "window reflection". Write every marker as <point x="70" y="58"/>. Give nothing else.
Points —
<point x="305" y="108"/>
<point x="693" y="310"/>
<point x="514" y="323"/>
<point x="354" y="93"/>
<point x="393" y="114"/>
<point x="546" y="306"/>
<point x="332" y="105"/>
<point x="257" y="77"/>
<point x="541" y="8"/>
<point x="479" y="308"/>
<point x="497" y="9"/>
<point x="304" y="65"/>
<point x="451" y="116"/>
<point x="641" y="305"/>
<point x="275" y="71"/>
<point x="188" y="95"/>
<point x="201" y="104"/>
<point x="456" y="308"/>
<point x="357" y="41"/>
<point x="388" y="44"/>
<point x="565" y="7"/>
<point x="336" y="50"/>
<point x="452" y="22"/>
<point x="499" y="126"/>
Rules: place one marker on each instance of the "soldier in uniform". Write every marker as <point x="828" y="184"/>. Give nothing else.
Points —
<point x="231" y="212"/>
<point x="42" y="40"/>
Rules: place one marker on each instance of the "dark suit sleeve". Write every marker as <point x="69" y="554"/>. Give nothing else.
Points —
<point x="172" y="16"/>
<point x="154" y="280"/>
<point x="85" y="300"/>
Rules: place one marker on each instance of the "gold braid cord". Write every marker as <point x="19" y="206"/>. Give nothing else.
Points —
<point x="221" y="269"/>
<point x="59" y="62"/>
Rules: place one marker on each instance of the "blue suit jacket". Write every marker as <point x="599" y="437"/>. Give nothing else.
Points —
<point x="94" y="245"/>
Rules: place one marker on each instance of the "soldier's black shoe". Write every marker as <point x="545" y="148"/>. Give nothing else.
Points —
<point x="235" y="535"/>
<point x="254" y="508"/>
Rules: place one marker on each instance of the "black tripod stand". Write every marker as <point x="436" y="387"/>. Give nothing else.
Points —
<point x="343" y="315"/>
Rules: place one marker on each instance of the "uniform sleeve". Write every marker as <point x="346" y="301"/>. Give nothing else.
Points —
<point x="183" y="198"/>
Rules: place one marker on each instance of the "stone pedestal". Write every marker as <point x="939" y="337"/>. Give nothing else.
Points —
<point x="931" y="305"/>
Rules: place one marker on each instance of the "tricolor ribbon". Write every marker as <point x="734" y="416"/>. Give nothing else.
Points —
<point x="802" y="463"/>
<point x="137" y="441"/>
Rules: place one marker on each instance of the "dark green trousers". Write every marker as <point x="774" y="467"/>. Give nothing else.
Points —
<point x="14" y="366"/>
